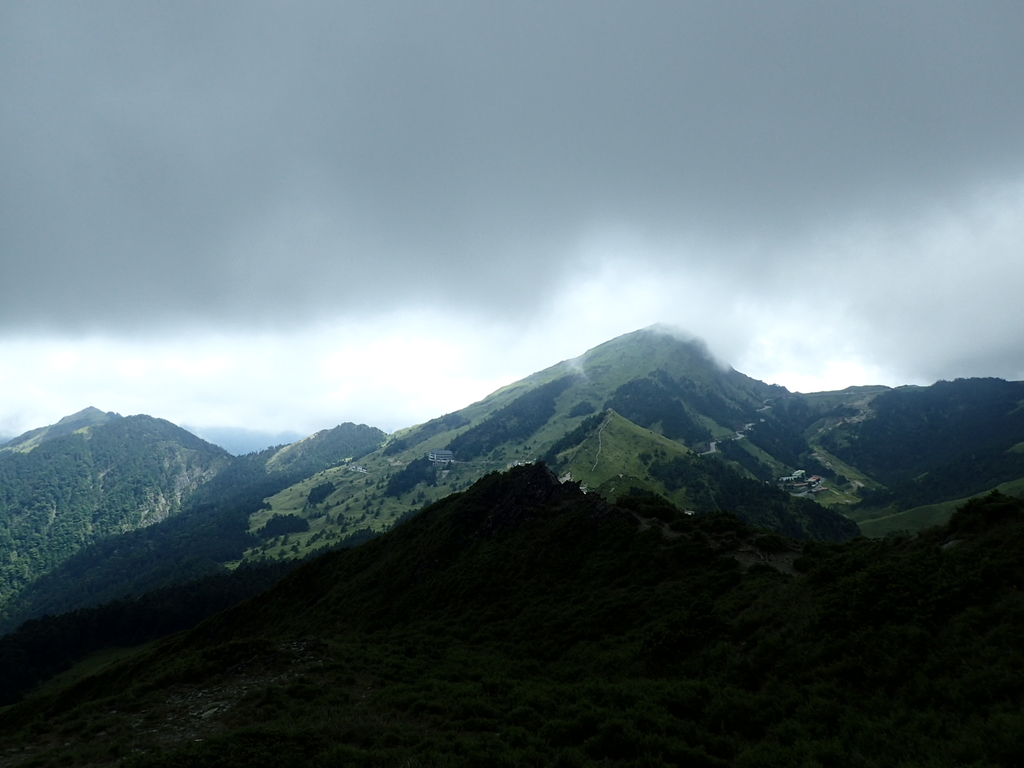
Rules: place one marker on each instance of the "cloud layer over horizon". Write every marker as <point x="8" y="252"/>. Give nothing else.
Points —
<point x="248" y="214"/>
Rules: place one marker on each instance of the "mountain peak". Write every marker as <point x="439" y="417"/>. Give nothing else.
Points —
<point x="663" y="350"/>
<point x="90" y="415"/>
<point x="87" y="417"/>
<point x="660" y="345"/>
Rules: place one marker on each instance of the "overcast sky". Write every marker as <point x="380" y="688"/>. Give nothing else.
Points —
<point x="286" y="216"/>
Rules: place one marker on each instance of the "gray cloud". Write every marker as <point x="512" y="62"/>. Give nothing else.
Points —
<point x="250" y="163"/>
<point x="279" y="217"/>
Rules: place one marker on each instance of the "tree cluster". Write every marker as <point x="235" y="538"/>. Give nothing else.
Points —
<point x="516" y="421"/>
<point x="657" y="401"/>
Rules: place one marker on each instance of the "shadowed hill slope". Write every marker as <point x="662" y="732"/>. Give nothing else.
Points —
<point x="524" y="623"/>
<point x="935" y="444"/>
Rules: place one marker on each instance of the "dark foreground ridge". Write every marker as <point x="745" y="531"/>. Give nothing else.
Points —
<point x="523" y="622"/>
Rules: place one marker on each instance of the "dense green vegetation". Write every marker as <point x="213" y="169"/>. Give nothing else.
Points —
<point x="516" y="421"/>
<point x="280" y="525"/>
<point x="656" y="400"/>
<point x="779" y="438"/>
<point x="967" y="476"/>
<point x="574" y="437"/>
<point x="915" y="429"/>
<point x="582" y="408"/>
<point x="524" y="623"/>
<point x="712" y="486"/>
<point x="320" y="492"/>
<point x="72" y="490"/>
<point x="42" y="647"/>
<point x="138" y="456"/>
<point x="416" y="472"/>
<point x="731" y="450"/>
<point x="933" y="444"/>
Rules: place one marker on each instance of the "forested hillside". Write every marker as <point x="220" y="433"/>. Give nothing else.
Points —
<point x="126" y="508"/>
<point x="73" y="489"/>
<point x="525" y="623"/>
<point x="41" y="648"/>
<point x="932" y="444"/>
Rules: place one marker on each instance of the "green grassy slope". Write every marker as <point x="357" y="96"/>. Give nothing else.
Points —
<point x="926" y="516"/>
<point x="615" y="457"/>
<point x="609" y="458"/>
<point x="672" y="385"/>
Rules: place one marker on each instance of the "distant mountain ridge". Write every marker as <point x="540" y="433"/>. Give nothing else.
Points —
<point x="651" y="413"/>
<point x="933" y="447"/>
